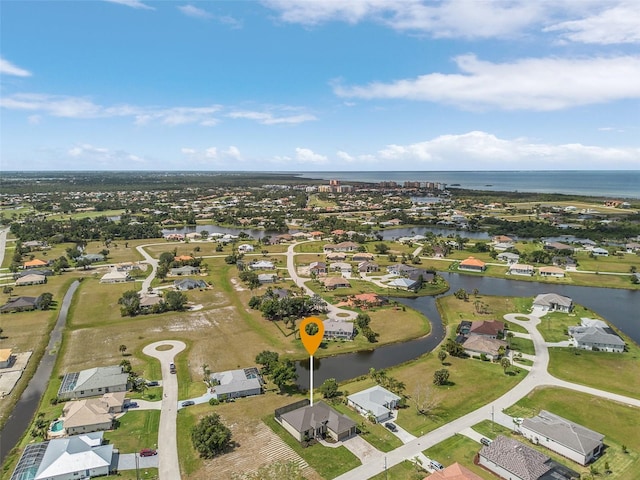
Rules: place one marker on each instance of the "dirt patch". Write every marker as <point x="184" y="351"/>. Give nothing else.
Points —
<point x="237" y="286"/>
<point x="258" y="446"/>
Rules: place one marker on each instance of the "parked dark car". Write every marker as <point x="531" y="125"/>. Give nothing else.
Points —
<point x="391" y="426"/>
<point x="148" y="452"/>
<point x="188" y="403"/>
<point x="153" y="383"/>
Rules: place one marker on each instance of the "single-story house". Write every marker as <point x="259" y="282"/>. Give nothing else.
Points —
<point x="331" y="283"/>
<point x="189" y="284"/>
<point x="33" y="271"/>
<point x="285" y="237"/>
<point x="557" y="246"/>
<point x="183" y="258"/>
<point x="508" y="458"/>
<point x="194" y="236"/>
<point x="6" y="357"/>
<point x="31" y="280"/>
<point x="35" y="263"/>
<point x="403" y="283"/>
<point x="476" y="345"/>
<point x="238" y="383"/>
<point x="316" y="235"/>
<point x="336" y="256"/>
<point x="35" y="245"/>
<point x="174" y="237"/>
<point x="486" y="328"/>
<point x="552" y="302"/>
<point x="338" y="330"/>
<point x="563" y="436"/>
<point x="502" y="239"/>
<point x="79" y="456"/>
<point x="363" y="257"/>
<point x="368" y="267"/>
<point x="632" y="247"/>
<point x="245" y="248"/>
<point x="508" y="257"/>
<point x="184" y="270"/>
<point x="19" y="304"/>
<point x="502" y="246"/>
<point x="92" y="257"/>
<point x="261" y="265"/>
<point x="400" y="269"/>
<point x="267" y="277"/>
<point x="114" y="276"/>
<point x="147" y="302"/>
<point x="472" y="264"/>
<point x="599" y="252"/>
<point x="551" y="272"/>
<point x="370" y="299"/>
<point x="93" y="381"/>
<point x="594" y="334"/>
<point x="316" y="421"/>
<point x="376" y="401"/>
<point x="92" y="414"/>
<point x="340" y="267"/>
<point x="318" y="268"/>
<point x="521" y="269"/>
<point x="346" y="247"/>
<point x="455" y="471"/>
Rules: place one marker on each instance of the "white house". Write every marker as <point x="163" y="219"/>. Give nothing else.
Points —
<point x="338" y="330"/>
<point x="79" y="456"/>
<point x="594" y="334"/>
<point x="243" y="382"/>
<point x="245" y="248"/>
<point x="508" y="257"/>
<point x="563" y="436"/>
<point x="520" y="269"/>
<point x="114" y="276"/>
<point x="552" y="302"/>
<point x="93" y="382"/>
<point x="376" y="401"/>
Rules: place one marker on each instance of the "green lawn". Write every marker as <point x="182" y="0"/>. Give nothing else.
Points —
<point x="328" y="462"/>
<point x="136" y="430"/>
<point x="617" y="422"/>
<point x="614" y="372"/>
<point x="376" y="434"/>
<point x="523" y="345"/>
<point x="553" y="326"/>
<point x="459" y="449"/>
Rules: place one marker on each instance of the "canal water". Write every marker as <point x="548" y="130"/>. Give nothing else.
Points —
<point x="620" y="307"/>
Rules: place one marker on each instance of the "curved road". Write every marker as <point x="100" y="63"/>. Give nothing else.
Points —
<point x="333" y="311"/>
<point x="154" y="267"/>
<point x="537" y="377"/>
<point x="169" y="467"/>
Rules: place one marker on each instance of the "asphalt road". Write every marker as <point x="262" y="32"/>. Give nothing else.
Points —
<point x="168" y="465"/>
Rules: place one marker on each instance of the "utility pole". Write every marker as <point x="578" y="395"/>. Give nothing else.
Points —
<point x="386" y="473"/>
<point x="492" y="419"/>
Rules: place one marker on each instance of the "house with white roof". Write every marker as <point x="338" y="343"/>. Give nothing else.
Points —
<point x="114" y="276"/>
<point x="563" y="436"/>
<point x="93" y="382"/>
<point x="338" y="330"/>
<point x="552" y="302"/>
<point x="376" y="401"/>
<point x="238" y="383"/>
<point x="80" y="456"/>
<point x="245" y="248"/>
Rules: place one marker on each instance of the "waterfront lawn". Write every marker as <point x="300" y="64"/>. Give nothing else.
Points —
<point x="458" y="448"/>
<point x="135" y="430"/>
<point x="613" y="372"/>
<point x="617" y="422"/>
<point x="461" y="396"/>
<point x="374" y="433"/>
<point x="454" y="310"/>
<point x="611" y="263"/>
<point x="405" y="470"/>
<point x="328" y="462"/>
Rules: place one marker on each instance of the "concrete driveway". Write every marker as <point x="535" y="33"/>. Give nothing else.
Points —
<point x="168" y="465"/>
<point x="361" y="448"/>
<point x="127" y="461"/>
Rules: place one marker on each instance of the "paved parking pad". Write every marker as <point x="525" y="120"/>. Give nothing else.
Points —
<point x="127" y="461"/>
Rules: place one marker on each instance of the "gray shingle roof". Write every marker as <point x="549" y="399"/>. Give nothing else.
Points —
<point x="565" y="432"/>
<point x="314" y="416"/>
<point x="516" y="457"/>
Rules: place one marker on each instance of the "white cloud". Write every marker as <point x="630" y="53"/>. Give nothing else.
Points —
<point x="480" y="150"/>
<point x="8" y="68"/>
<point x="211" y="152"/>
<point x="191" y="11"/>
<point x="137" y="4"/>
<point x="527" y="84"/>
<point x="233" y="153"/>
<point x="448" y="18"/>
<point x="188" y="151"/>
<point x="617" y="23"/>
<point x="307" y="156"/>
<point x="344" y="156"/>
<point x="268" y="118"/>
<point x="92" y="156"/>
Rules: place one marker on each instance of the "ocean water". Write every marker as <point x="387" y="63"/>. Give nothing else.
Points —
<point x="606" y="183"/>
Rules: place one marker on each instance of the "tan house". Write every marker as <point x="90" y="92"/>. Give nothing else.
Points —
<point x="551" y="272"/>
<point x="33" y="279"/>
<point x="92" y="414"/>
<point x="331" y="283"/>
<point x="6" y="358"/>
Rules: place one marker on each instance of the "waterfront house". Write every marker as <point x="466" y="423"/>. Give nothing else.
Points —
<point x="338" y="330"/>
<point x="552" y="302"/>
<point x="521" y="269"/>
<point x="238" y="383"/>
<point x="245" y="248"/>
<point x="486" y="328"/>
<point x="403" y="284"/>
<point x="477" y="345"/>
<point x="551" y="272"/>
<point x="563" y="436"/>
<point x="472" y="264"/>
<point x="595" y="334"/>
<point x="93" y="382"/>
<point x="92" y="414"/>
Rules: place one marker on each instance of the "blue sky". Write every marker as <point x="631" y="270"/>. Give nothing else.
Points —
<point x="310" y="86"/>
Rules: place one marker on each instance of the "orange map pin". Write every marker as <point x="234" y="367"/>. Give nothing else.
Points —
<point x="311" y="342"/>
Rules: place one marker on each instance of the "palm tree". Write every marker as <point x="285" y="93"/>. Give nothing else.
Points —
<point x="122" y="348"/>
